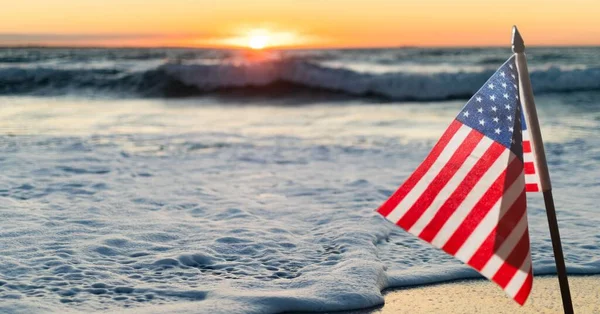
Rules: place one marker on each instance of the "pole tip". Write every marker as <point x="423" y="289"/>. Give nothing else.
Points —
<point x="517" y="41"/>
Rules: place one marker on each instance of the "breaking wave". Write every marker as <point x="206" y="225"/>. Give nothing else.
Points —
<point x="178" y="79"/>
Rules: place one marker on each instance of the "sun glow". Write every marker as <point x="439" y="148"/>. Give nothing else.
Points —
<point x="258" y="41"/>
<point x="263" y="38"/>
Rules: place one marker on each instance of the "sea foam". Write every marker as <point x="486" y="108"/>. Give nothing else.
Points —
<point x="244" y="222"/>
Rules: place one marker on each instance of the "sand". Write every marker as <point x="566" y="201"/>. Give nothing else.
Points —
<point x="480" y="296"/>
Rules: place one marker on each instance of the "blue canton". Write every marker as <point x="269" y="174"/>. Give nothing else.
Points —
<point x="495" y="110"/>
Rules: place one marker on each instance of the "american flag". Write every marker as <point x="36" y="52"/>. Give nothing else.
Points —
<point x="468" y="195"/>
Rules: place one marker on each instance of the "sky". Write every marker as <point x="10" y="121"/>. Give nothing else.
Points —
<point x="297" y="23"/>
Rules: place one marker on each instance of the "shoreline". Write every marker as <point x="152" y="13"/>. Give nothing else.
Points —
<point x="483" y="296"/>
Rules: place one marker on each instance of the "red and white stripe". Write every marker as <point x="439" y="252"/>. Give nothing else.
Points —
<point x="532" y="177"/>
<point x="468" y="198"/>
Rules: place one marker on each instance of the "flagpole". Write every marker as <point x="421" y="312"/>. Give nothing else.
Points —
<point x="526" y="95"/>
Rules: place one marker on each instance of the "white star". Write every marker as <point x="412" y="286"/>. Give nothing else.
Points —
<point x="507" y="107"/>
<point x="512" y="140"/>
<point x="510" y="66"/>
<point x="466" y="114"/>
<point x="513" y="76"/>
<point x="505" y="96"/>
<point x="502" y="73"/>
<point x="497" y="131"/>
<point x="509" y="118"/>
<point x="516" y="96"/>
<point x="482" y="122"/>
<point x="515" y="85"/>
<point x="504" y="85"/>
<point x="491" y="86"/>
<point x="494" y="108"/>
<point x="478" y="99"/>
<point x="493" y="97"/>
<point x="510" y="129"/>
<point x="480" y="110"/>
<point x="496" y="119"/>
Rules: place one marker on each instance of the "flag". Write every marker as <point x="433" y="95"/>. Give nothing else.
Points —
<point x="468" y="196"/>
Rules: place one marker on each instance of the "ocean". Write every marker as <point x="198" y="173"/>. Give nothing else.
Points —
<point x="227" y="181"/>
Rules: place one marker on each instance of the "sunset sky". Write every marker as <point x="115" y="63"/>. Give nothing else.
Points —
<point x="297" y="23"/>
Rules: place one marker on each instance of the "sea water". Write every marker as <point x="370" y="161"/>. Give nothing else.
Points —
<point x="215" y="181"/>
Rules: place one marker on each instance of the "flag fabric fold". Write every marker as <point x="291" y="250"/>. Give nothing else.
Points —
<point x="468" y="196"/>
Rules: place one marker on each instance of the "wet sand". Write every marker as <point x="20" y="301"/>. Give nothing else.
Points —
<point x="480" y="296"/>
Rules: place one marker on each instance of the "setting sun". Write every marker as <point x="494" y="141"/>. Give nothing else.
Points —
<point x="263" y="38"/>
<point x="258" y="41"/>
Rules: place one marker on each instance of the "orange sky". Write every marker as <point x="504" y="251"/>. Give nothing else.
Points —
<point x="298" y="23"/>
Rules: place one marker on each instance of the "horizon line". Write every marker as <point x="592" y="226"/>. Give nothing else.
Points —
<point x="280" y="48"/>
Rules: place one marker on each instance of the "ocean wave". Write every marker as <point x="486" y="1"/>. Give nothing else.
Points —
<point x="178" y="79"/>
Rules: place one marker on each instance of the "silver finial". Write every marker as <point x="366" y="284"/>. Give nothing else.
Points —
<point x="517" y="41"/>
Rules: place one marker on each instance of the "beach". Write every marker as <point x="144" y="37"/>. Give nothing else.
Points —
<point x="199" y="180"/>
<point x="484" y="297"/>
